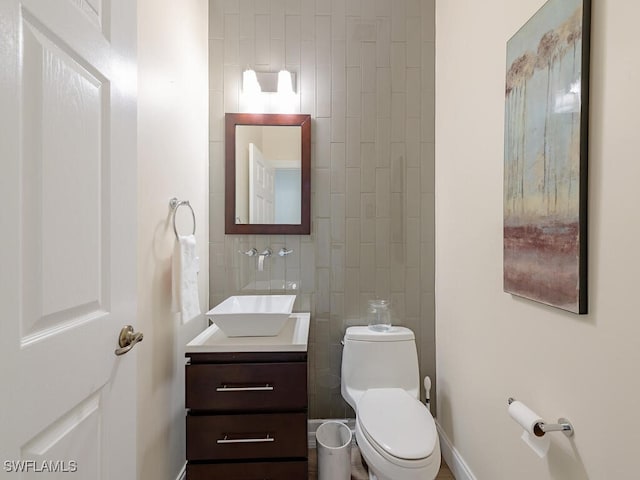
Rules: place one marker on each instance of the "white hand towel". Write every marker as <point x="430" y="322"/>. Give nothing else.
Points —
<point x="184" y="284"/>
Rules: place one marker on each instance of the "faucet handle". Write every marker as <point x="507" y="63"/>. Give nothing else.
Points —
<point x="285" y="251"/>
<point x="252" y="252"/>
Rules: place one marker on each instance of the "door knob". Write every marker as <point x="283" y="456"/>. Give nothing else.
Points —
<point x="128" y="339"/>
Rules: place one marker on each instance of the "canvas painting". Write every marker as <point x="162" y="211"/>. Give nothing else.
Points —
<point x="545" y="157"/>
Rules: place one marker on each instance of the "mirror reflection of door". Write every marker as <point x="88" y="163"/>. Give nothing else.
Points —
<point x="261" y="184"/>
<point x="268" y="174"/>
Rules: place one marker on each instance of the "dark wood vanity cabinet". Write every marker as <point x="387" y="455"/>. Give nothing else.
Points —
<point x="246" y="416"/>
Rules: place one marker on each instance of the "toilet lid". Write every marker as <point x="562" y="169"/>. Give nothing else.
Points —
<point x="365" y="334"/>
<point x="397" y="423"/>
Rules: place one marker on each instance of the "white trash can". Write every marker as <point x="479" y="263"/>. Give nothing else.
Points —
<point x="333" y="442"/>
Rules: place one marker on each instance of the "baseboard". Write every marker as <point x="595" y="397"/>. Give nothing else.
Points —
<point x="183" y="473"/>
<point x="457" y="465"/>
<point x="313" y="425"/>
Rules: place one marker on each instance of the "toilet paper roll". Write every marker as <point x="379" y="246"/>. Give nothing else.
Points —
<point x="533" y="436"/>
<point x="526" y="418"/>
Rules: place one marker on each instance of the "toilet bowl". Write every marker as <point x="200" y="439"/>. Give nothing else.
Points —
<point x="396" y="433"/>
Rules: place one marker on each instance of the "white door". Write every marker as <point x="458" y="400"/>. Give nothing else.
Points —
<point x="261" y="185"/>
<point x="68" y="238"/>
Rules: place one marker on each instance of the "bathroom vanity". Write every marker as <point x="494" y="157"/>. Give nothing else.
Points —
<point x="246" y="400"/>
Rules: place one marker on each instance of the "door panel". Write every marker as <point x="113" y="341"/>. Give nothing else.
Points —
<point x="64" y="224"/>
<point x="73" y="441"/>
<point x="261" y="182"/>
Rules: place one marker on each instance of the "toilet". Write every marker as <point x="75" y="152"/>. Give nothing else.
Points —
<point x="395" y="432"/>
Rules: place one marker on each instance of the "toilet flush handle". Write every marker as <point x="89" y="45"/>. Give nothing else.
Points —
<point x="427" y="391"/>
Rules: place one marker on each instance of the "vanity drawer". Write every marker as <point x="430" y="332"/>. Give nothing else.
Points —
<point x="247" y="386"/>
<point x="249" y="471"/>
<point x="227" y="437"/>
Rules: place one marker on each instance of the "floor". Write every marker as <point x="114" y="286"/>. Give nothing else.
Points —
<point x="358" y="471"/>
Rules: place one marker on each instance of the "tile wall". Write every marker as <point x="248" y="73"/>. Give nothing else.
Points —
<point x="366" y="75"/>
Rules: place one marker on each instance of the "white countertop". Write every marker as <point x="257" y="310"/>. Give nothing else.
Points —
<point x="293" y="338"/>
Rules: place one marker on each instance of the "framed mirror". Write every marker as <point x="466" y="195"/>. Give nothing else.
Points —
<point x="267" y="173"/>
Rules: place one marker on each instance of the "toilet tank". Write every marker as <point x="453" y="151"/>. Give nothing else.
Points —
<point x="373" y="359"/>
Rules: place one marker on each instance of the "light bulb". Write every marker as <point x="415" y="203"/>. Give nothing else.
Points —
<point x="250" y="83"/>
<point x="284" y="82"/>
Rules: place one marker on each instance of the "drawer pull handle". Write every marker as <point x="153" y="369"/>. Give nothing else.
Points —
<point x="246" y="440"/>
<point x="224" y="388"/>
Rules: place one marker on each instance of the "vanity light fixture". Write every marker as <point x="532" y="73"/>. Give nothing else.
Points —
<point x="268" y="82"/>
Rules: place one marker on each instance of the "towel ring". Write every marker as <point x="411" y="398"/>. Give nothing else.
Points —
<point x="174" y="203"/>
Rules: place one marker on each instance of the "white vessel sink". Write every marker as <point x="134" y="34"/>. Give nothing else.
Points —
<point x="252" y="315"/>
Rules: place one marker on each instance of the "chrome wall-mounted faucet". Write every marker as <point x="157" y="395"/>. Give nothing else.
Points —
<point x="265" y="253"/>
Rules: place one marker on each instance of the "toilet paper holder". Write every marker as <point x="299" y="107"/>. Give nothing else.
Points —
<point x="541" y="428"/>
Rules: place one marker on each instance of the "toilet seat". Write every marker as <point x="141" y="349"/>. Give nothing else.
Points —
<point x="407" y="437"/>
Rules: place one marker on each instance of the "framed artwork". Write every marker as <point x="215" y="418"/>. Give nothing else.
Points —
<point x="545" y="157"/>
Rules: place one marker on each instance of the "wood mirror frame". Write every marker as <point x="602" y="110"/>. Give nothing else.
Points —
<point x="267" y="119"/>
